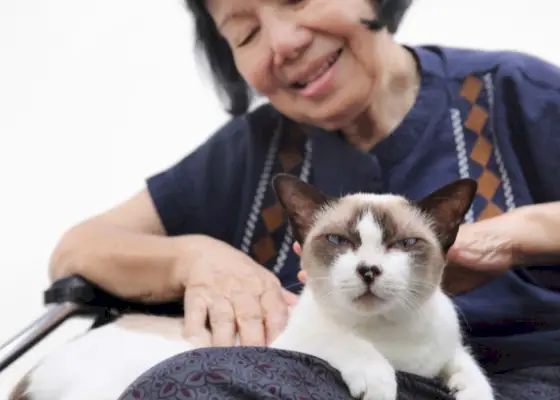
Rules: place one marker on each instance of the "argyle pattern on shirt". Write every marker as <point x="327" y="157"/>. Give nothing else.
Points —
<point x="272" y="223"/>
<point x="480" y="144"/>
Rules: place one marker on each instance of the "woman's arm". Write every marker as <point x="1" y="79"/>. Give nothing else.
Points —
<point x="540" y="241"/>
<point x="125" y="251"/>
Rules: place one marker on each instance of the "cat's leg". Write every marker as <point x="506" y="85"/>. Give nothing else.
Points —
<point x="465" y="377"/>
<point x="365" y="371"/>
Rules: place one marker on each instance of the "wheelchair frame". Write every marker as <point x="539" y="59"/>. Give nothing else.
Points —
<point x="74" y="296"/>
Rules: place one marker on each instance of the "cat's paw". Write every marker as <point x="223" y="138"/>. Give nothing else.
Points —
<point x="374" y="381"/>
<point x="465" y="388"/>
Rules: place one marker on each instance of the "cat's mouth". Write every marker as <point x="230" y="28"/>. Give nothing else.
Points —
<point x="368" y="296"/>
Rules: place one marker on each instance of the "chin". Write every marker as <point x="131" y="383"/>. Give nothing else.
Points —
<point x="337" y="113"/>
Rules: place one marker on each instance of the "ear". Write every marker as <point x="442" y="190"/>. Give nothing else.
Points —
<point x="300" y="200"/>
<point x="448" y="206"/>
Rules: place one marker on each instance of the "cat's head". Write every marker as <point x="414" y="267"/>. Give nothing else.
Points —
<point x="369" y="253"/>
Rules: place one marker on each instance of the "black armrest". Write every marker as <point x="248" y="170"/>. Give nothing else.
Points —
<point x="77" y="290"/>
<point x="73" y="296"/>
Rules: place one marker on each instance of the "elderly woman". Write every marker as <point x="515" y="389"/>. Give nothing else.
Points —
<point x="349" y="110"/>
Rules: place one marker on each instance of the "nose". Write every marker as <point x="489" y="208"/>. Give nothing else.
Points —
<point x="368" y="273"/>
<point x="287" y="39"/>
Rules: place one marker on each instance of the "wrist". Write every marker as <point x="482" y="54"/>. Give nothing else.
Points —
<point x="187" y="251"/>
<point x="538" y="236"/>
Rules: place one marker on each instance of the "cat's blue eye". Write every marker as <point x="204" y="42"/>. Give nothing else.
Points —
<point x="337" y="239"/>
<point x="406" y="243"/>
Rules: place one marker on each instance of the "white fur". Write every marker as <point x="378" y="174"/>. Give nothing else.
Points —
<point x="101" y="364"/>
<point x="368" y="350"/>
<point x="393" y="264"/>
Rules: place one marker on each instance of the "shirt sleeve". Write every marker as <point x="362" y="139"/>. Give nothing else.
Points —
<point x="198" y="193"/>
<point x="532" y="90"/>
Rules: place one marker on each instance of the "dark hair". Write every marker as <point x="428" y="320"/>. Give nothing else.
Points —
<point x="229" y="82"/>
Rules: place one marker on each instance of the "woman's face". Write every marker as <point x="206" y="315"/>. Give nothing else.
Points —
<point x="312" y="59"/>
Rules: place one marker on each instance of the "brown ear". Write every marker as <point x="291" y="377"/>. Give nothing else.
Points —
<point x="300" y="200"/>
<point x="448" y="206"/>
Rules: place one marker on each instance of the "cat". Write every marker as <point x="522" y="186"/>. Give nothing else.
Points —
<point x="371" y="305"/>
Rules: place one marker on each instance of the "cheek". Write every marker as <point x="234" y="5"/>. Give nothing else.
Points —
<point x="396" y="268"/>
<point x="254" y="67"/>
<point x="335" y="17"/>
<point x="344" y="268"/>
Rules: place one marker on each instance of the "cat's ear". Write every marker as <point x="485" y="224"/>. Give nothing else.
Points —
<point x="300" y="200"/>
<point x="448" y="206"/>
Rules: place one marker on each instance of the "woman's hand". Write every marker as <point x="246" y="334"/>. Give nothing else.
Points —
<point x="231" y="291"/>
<point x="483" y="250"/>
<point x="302" y="275"/>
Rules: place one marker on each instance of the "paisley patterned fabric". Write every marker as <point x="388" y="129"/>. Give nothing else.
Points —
<point x="247" y="373"/>
<point x="256" y="373"/>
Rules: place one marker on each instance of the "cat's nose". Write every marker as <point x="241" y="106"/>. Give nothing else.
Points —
<point x="368" y="273"/>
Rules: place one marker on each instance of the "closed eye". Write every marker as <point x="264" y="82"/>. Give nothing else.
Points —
<point x="405" y="244"/>
<point x="337" y="240"/>
<point x="249" y="37"/>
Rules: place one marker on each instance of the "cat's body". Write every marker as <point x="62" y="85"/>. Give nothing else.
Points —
<point x="372" y="303"/>
<point x="419" y="346"/>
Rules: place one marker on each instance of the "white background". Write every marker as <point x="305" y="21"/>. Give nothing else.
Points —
<point x="97" y="95"/>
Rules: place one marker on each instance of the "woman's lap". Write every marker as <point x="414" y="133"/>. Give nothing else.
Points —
<point x="260" y="373"/>
<point x="529" y="384"/>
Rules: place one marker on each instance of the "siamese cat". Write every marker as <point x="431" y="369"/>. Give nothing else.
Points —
<point x="372" y="304"/>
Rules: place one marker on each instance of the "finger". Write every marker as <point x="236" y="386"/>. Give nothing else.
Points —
<point x="196" y="313"/>
<point x="275" y="312"/>
<point x="302" y="276"/>
<point x="222" y="322"/>
<point x="290" y="298"/>
<point x="249" y="318"/>
<point x="297" y="248"/>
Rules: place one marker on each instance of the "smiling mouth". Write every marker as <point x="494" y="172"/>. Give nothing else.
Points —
<point x="320" y="72"/>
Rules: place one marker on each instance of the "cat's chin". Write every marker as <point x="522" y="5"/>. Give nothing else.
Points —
<point x="365" y="304"/>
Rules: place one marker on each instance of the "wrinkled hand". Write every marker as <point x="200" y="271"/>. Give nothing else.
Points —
<point x="234" y="293"/>
<point x="488" y="248"/>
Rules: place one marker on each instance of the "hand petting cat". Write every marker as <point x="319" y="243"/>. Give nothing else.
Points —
<point x="483" y="250"/>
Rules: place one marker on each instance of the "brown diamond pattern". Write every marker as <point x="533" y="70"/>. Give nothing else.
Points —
<point x="488" y="184"/>
<point x="264" y="249"/>
<point x="273" y="217"/>
<point x="482" y="151"/>
<point x="290" y="160"/>
<point x="488" y="181"/>
<point x="471" y="88"/>
<point x="477" y="119"/>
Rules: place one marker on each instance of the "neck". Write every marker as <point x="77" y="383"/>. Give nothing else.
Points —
<point x="393" y="96"/>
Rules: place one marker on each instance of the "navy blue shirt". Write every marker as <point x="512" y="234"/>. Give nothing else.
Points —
<point x="491" y="116"/>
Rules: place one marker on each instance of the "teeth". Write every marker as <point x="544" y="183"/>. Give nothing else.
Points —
<point x="329" y="63"/>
